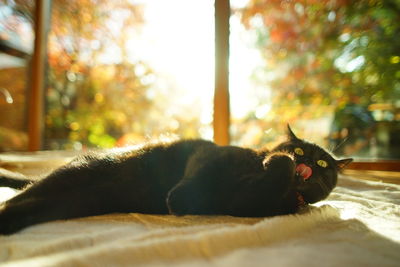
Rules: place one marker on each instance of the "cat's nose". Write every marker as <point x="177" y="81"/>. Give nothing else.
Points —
<point x="310" y="163"/>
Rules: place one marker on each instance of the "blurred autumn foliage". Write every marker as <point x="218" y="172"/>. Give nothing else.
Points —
<point x="98" y="95"/>
<point x="327" y="51"/>
<point x="89" y="99"/>
<point x="325" y="55"/>
<point x="331" y="68"/>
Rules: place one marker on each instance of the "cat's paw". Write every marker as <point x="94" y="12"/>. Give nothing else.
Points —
<point x="280" y="161"/>
<point x="281" y="168"/>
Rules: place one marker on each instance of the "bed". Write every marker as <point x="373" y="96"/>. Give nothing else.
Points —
<point x="358" y="225"/>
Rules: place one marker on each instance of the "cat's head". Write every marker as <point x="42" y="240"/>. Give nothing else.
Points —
<point x="316" y="169"/>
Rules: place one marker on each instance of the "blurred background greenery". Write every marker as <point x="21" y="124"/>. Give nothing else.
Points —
<point x="332" y="68"/>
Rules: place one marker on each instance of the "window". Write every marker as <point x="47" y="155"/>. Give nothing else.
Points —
<point x="16" y="42"/>
<point x="329" y="68"/>
<point x="133" y="70"/>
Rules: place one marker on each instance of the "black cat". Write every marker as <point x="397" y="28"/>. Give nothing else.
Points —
<point x="182" y="177"/>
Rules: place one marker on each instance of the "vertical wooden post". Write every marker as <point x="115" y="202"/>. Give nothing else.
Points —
<point x="221" y="94"/>
<point x="36" y="94"/>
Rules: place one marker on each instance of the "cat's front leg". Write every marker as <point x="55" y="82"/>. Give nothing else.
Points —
<point x="268" y="192"/>
<point x="281" y="168"/>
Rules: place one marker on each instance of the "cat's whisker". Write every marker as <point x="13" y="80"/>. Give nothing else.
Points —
<point x="339" y="145"/>
<point x="323" y="186"/>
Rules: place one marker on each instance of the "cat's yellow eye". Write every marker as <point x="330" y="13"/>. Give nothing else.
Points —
<point x="322" y="163"/>
<point x="299" y="151"/>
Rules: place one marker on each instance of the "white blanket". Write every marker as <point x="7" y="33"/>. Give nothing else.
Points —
<point x="358" y="225"/>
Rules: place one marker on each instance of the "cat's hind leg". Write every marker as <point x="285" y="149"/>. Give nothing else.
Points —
<point x="190" y="197"/>
<point x="18" y="213"/>
<point x="57" y="197"/>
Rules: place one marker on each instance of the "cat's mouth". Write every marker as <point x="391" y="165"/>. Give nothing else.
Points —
<point x="304" y="171"/>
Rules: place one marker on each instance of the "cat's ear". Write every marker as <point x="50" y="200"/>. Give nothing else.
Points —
<point x="343" y="162"/>
<point x="290" y="134"/>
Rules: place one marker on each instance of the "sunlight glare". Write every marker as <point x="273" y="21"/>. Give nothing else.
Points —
<point x="177" y="41"/>
<point x="6" y="193"/>
<point x="244" y="59"/>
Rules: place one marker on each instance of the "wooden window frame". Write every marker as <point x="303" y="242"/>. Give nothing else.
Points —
<point x="36" y="93"/>
<point x="13" y="50"/>
<point x="221" y="115"/>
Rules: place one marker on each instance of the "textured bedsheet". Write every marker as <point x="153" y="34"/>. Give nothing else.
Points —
<point x="358" y="225"/>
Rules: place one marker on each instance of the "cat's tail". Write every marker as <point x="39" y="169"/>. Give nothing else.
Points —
<point x="13" y="179"/>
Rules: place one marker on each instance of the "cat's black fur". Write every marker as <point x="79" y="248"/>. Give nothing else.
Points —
<point x="182" y="177"/>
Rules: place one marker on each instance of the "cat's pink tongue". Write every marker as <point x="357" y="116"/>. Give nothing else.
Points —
<point x="304" y="171"/>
